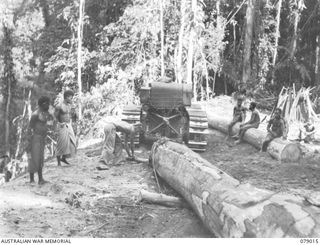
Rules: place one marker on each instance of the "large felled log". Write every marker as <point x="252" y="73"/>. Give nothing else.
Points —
<point x="161" y="199"/>
<point x="228" y="208"/>
<point x="278" y="148"/>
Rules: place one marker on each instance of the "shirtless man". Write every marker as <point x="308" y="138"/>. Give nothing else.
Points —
<point x="238" y="116"/>
<point x="37" y="132"/>
<point x="275" y="128"/>
<point x="112" y="146"/>
<point x="252" y="123"/>
<point x="66" y="141"/>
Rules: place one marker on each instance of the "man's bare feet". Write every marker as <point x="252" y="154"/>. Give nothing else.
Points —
<point x="65" y="161"/>
<point x="104" y="167"/>
<point x="42" y="182"/>
<point x="237" y="142"/>
<point x="31" y="183"/>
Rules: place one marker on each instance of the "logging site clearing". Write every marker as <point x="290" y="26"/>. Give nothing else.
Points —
<point x="159" y="119"/>
<point x="82" y="201"/>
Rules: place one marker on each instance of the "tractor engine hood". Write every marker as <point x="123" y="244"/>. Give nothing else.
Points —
<point x="166" y="95"/>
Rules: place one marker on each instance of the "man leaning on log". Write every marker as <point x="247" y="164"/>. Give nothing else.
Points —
<point x="238" y="115"/>
<point x="275" y="128"/>
<point x="252" y="123"/>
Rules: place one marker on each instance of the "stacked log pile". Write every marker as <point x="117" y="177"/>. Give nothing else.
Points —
<point x="228" y="208"/>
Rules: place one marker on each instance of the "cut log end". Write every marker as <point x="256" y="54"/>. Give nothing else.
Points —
<point x="291" y="152"/>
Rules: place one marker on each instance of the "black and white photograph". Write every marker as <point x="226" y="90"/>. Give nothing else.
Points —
<point x="159" y="119"/>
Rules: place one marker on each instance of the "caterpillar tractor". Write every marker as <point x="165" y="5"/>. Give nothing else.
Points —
<point x="166" y="110"/>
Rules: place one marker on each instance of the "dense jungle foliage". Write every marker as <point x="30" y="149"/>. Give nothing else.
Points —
<point x="218" y="46"/>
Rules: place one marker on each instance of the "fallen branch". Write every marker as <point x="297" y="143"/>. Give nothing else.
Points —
<point x="161" y="199"/>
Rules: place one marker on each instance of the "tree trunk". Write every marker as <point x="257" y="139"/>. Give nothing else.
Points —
<point x="295" y="28"/>
<point x="246" y="71"/>
<point x="80" y="34"/>
<point x="9" y="81"/>
<point x="282" y="150"/>
<point x="45" y="12"/>
<point x="277" y="36"/>
<point x="190" y="59"/>
<point x="7" y="119"/>
<point x="162" y="37"/>
<point x="214" y="83"/>
<point x="234" y="43"/>
<point x="191" y="47"/>
<point x="299" y="6"/>
<point x="316" y="71"/>
<point x="227" y="207"/>
<point x="207" y="82"/>
<point x="20" y="125"/>
<point x="180" y="43"/>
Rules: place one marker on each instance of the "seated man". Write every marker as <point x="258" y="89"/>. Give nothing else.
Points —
<point x="307" y="133"/>
<point x="276" y="129"/>
<point x="112" y="146"/>
<point x="238" y="115"/>
<point x="252" y="123"/>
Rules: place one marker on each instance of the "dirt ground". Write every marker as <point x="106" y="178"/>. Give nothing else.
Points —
<point x="249" y="165"/>
<point x="80" y="201"/>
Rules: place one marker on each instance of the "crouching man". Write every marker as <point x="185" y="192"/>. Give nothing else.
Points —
<point x="275" y="128"/>
<point x="112" y="147"/>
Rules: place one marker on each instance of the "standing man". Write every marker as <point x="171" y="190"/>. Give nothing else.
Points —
<point x="66" y="140"/>
<point x="238" y="115"/>
<point x="112" y="146"/>
<point x="37" y="133"/>
<point x="276" y="129"/>
<point x="252" y="123"/>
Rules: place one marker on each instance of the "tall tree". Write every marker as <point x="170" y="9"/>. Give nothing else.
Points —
<point x="9" y="83"/>
<point x="180" y="41"/>
<point x="79" y="53"/>
<point x="161" y="5"/>
<point x="316" y="71"/>
<point x="246" y="70"/>
<point x="317" y="60"/>
<point x="298" y="6"/>
<point x="277" y="36"/>
<point x="191" y="44"/>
